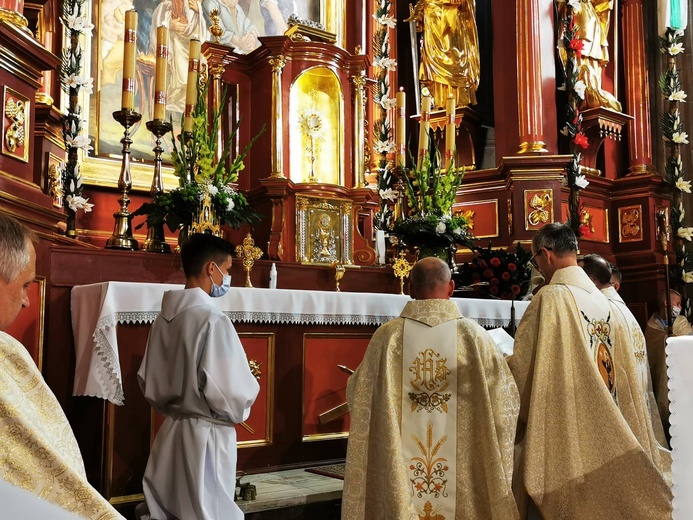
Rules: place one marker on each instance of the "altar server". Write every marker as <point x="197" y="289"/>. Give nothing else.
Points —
<point x="195" y="372"/>
<point x="433" y="413"/>
<point x="577" y="456"/>
<point x="38" y="451"/>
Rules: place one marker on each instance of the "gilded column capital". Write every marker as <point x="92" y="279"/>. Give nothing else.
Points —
<point x="277" y="62"/>
<point x="359" y="80"/>
<point x="217" y="70"/>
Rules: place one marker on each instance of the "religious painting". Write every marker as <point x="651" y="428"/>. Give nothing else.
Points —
<point x="28" y="327"/>
<point x="15" y="125"/>
<point x="538" y="208"/>
<point x="630" y="223"/>
<point x="324" y="231"/>
<point x="328" y="359"/>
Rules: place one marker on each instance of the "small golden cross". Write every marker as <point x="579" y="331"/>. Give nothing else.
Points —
<point x="248" y="253"/>
<point x="401" y="268"/>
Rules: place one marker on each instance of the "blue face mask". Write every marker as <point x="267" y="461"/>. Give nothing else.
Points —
<point x="220" y="290"/>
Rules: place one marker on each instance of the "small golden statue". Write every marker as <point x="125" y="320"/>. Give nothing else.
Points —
<point x="248" y="253"/>
<point x="402" y="268"/>
<point x="339" y="271"/>
<point x="216" y="29"/>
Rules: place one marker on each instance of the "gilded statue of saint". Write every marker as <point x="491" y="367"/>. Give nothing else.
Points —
<point x="450" y="49"/>
<point x="592" y="18"/>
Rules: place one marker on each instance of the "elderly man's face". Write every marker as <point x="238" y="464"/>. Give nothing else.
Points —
<point x="13" y="295"/>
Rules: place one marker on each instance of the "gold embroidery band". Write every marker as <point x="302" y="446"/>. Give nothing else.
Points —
<point x="429" y="417"/>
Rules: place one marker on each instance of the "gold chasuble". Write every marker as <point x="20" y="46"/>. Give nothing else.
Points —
<point x="38" y="451"/>
<point x="577" y="457"/>
<point x="656" y="337"/>
<point x="635" y="397"/>
<point x="433" y="411"/>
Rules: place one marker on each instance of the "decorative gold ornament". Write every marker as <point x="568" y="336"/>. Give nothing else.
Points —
<point x="339" y="271"/>
<point x="206" y="220"/>
<point x="248" y="253"/>
<point x="469" y="216"/>
<point x="15" y="134"/>
<point x="216" y="29"/>
<point x="539" y="204"/>
<point x="255" y="368"/>
<point x="402" y="268"/>
<point x="55" y="185"/>
<point x="586" y="220"/>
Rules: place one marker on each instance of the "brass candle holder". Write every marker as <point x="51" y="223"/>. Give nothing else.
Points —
<point x="189" y="174"/>
<point x="248" y="253"/>
<point x="156" y="242"/>
<point x="402" y="269"/>
<point x="122" y="233"/>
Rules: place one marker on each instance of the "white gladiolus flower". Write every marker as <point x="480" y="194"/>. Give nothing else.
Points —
<point x="687" y="277"/>
<point x="580" y="89"/>
<point x="77" y="23"/>
<point x="384" y="146"/>
<point x="440" y="228"/>
<point x="457" y="231"/>
<point x="76" y="203"/>
<point x="682" y="212"/>
<point x="684" y="186"/>
<point x="230" y="204"/>
<point x="581" y="182"/>
<point x="212" y="189"/>
<point x="79" y="141"/>
<point x="388" y="194"/>
<point x="675" y="48"/>
<point x="678" y="95"/>
<point x="685" y="233"/>
<point x="387" y="102"/>
<point x="80" y="82"/>
<point x="575" y="4"/>
<point x="385" y="20"/>
<point x="385" y="63"/>
<point x="680" y="137"/>
<point x="71" y="186"/>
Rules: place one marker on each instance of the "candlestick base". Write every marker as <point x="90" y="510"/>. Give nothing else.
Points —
<point x="122" y="232"/>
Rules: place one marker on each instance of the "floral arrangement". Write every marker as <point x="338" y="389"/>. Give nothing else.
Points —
<point x="506" y="273"/>
<point x="384" y="102"/>
<point x="177" y="207"/>
<point x="74" y="18"/>
<point x="572" y="127"/>
<point x="431" y="226"/>
<point x="674" y="171"/>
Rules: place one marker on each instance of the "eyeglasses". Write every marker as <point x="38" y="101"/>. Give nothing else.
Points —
<point x="532" y="260"/>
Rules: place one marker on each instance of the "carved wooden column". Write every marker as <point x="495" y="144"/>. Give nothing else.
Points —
<point x="637" y="93"/>
<point x="529" y="84"/>
<point x="277" y="142"/>
<point x="359" y="143"/>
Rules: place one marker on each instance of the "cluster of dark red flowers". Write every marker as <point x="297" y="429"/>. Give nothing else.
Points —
<point x="503" y="274"/>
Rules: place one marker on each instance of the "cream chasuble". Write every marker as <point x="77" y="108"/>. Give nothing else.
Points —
<point x="38" y="451"/>
<point x="636" y="399"/>
<point x="433" y="410"/>
<point x="655" y="338"/>
<point x="576" y="456"/>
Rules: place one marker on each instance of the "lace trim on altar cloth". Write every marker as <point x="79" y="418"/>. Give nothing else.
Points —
<point x="679" y="352"/>
<point x="108" y="364"/>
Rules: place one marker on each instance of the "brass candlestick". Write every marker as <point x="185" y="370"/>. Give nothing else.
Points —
<point x="248" y="253"/>
<point x="155" y="242"/>
<point x="122" y="233"/>
<point x="401" y="268"/>
<point x="663" y="231"/>
<point x="216" y="29"/>
<point x="187" y="137"/>
<point x="339" y="271"/>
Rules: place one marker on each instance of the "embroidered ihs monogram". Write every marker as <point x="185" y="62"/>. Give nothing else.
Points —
<point x="430" y="380"/>
<point x="599" y="332"/>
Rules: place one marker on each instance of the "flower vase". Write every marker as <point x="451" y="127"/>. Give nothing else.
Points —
<point x="445" y="253"/>
<point x="71" y="229"/>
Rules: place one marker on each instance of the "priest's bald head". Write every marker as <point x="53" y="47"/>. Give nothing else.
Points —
<point x="430" y="279"/>
<point x="598" y="269"/>
<point x="17" y="268"/>
<point x="554" y="247"/>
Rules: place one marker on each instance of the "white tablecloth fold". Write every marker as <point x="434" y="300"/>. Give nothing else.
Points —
<point x="680" y="363"/>
<point x="98" y="308"/>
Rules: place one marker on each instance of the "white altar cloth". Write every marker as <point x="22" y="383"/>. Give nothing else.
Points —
<point x="680" y="363"/>
<point x="98" y="308"/>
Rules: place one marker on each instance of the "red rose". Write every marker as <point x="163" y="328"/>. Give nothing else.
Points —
<point x="495" y="262"/>
<point x="512" y="267"/>
<point x="488" y="273"/>
<point x="493" y="290"/>
<point x="505" y="276"/>
<point x="581" y="140"/>
<point x="515" y="288"/>
<point x="494" y="281"/>
<point x="483" y="264"/>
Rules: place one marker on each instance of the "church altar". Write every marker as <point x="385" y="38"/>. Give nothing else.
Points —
<point x="97" y="308"/>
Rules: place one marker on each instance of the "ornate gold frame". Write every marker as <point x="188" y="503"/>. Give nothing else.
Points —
<point x="530" y="210"/>
<point x="322" y="436"/>
<point x="27" y="129"/>
<point x="476" y="203"/>
<point x="338" y="230"/>
<point x="606" y="226"/>
<point x="621" y="211"/>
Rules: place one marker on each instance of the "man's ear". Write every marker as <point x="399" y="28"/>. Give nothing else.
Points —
<point x="451" y="287"/>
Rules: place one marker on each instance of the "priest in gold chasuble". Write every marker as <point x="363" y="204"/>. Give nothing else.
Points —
<point x="577" y="457"/>
<point x="433" y="414"/>
<point x="635" y="397"/>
